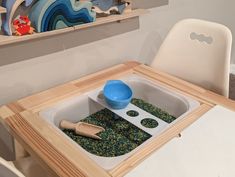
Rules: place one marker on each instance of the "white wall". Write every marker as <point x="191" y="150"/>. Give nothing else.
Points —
<point x="30" y="76"/>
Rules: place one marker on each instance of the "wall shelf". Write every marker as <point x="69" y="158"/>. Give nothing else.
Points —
<point x="5" y="40"/>
<point x="2" y="10"/>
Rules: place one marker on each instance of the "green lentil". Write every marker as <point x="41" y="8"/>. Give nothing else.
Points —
<point x="132" y="113"/>
<point x="120" y="136"/>
<point x="163" y="115"/>
<point x="149" y="123"/>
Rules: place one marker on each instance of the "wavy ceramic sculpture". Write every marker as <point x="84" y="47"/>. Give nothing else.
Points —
<point x="47" y="15"/>
<point x="106" y="6"/>
<point x="12" y="6"/>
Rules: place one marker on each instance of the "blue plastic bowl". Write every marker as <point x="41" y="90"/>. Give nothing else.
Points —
<point x="117" y="94"/>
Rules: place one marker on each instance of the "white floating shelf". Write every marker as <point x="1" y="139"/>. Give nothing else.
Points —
<point x="5" y="40"/>
<point x="2" y="10"/>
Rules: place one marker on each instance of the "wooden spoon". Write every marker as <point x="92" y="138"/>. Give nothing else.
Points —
<point x="83" y="129"/>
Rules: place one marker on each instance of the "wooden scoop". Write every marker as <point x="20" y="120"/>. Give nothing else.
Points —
<point x="83" y="129"/>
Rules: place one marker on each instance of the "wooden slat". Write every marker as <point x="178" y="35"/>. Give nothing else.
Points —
<point x="158" y="142"/>
<point x="15" y="107"/>
<point x="218" y="99"/>
<point x="65" y="159"/>
<point x="5" y="112"/>
<point x="45" y="96"/>
<point x="191" y="89"/>
<point x="132" y="64"/>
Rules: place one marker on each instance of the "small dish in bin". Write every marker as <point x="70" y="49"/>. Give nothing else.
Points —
<point x="117" y="94"/>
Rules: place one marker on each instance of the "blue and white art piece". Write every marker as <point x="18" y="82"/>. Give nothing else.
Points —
<point x="108" y="6"/>
<point x="48" y="15"/>
<point x="12" y="6"/>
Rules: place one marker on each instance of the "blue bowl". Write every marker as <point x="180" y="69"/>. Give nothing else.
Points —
<point x="117" y="94"/>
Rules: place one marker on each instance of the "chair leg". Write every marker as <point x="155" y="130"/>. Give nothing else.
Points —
<point x="20" y="152"/>
<point x="6" y="144"/>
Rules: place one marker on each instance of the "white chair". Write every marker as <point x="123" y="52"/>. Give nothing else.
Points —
<point x="199" y="52"/>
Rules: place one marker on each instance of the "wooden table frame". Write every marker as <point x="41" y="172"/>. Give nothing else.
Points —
<point x="59" y="156"/>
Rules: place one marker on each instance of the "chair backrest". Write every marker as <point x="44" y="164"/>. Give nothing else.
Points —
<point x="199" y="52"/>
<point x="6" y="170"/>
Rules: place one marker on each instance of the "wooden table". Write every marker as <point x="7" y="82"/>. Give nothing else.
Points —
<point x="59" y="156"/>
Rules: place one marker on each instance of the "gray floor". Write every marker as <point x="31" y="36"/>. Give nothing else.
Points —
<point x="232" y="87"/>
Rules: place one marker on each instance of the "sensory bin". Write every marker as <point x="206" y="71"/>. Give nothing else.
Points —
<point x="120" y="136"/>
<point x="152" y="111"/>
